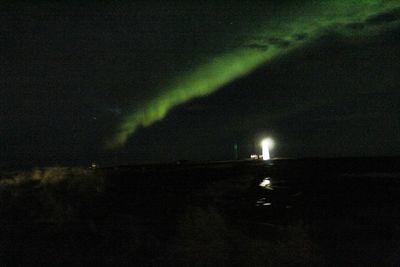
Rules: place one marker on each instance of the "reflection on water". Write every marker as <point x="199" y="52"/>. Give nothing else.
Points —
<point x="263" y="202"/>
<point x="277" y="191"/>
<point x="266" y="183"/>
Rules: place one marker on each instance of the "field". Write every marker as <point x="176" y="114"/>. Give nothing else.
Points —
<point x="316" y="212"/>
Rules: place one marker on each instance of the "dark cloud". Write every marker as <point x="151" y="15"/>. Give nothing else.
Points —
<point x="262" y="47"/>
<point x="386" y="17"/>
<point x="279" y="42"/>
<point x="301" y="36"/>
<point x="263" y="42"/>
<point x="356" y="26"/>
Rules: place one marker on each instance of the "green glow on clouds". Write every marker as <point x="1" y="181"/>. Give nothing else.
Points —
<point x="277" y="37"/>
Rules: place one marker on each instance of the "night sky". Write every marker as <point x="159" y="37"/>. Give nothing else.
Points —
<point x="117" y="83"/>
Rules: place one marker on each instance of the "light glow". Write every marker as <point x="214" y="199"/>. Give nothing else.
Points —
<point x="266" y="145"/>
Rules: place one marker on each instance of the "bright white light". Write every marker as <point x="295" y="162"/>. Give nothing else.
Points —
<point x="265" y="153"/>
<point x="266" y="145"/>
<point x="266" y="182"/>
<point x="267" y="142"/>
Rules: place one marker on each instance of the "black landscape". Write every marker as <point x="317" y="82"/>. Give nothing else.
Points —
<point x="315" y="212"/>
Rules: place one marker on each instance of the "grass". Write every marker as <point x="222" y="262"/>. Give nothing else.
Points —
<point x="55" y="194"/>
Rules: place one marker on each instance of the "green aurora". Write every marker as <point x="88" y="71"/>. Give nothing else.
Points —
<point x="272" y="38"/>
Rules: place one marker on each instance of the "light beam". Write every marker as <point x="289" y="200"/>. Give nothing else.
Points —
<point x="266" y="145"/>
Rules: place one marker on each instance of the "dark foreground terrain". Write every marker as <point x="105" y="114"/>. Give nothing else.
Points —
<point x="314" y="212"/>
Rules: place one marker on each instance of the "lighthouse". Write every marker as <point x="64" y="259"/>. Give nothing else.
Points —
<point x="266" y="145"/>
